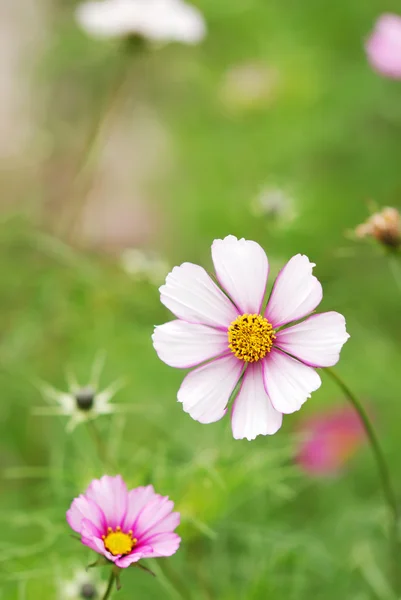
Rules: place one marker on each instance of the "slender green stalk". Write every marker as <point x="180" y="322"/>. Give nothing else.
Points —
<point x="83" y="180"/>
<point x="384" y="474"/>
<point x="99" y="443"/>
<point x="110" y="585"/>
<point x="86" y="168"/>
<point x="382" y="467"/>
<point x="395" y="267"/>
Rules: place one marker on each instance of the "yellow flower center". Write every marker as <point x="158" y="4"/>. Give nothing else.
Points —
<point x="118" y="542"/>
<point x="250" y="337"/>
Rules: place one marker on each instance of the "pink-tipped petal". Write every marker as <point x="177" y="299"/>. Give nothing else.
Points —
<point x="164" y="525"/>
<point x="288" y="382"/>
<point x="148" y="517"/>
<point x="164" y="544"/>
<point x="183" y="345"/>
<point x="383" y="47"/>
<point x="153" y="514"/>
<point x="137" y="500"/>
<point x="206" y="391"/>
<point x="111" y="495"/>
<point x="242" y="269"/>
<point x="84" y="508"/>
<point x="253" y="414"/>
<point x="96" y="545"/>
<point x="143" y="552"/>
<point x="90" y="538"/>
<point x="316" y="341"/>
<point x="191" y="295"/>
<point x="296" y="292"/>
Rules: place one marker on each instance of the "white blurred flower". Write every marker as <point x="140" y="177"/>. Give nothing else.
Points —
<point x="275" y="204"/>
<point x="82" y="585"/>
<point x="144" y="266"/>
<point x="80" y="403"/>
<point x="156" y="20"/>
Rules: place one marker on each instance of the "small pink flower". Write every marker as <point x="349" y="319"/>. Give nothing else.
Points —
<point x="123" y="525"/>
<point x="384" y="46"/>
<point x="226" y="334"/>
<point x="330" y="438"/>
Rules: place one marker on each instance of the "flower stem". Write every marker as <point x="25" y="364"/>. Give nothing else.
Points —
<point x="86" y="168"/>
<point x="110" y="585"/>
<point x="395" y="268"/>
<point x="101" y="450"/>
<point x="384" y="473"/>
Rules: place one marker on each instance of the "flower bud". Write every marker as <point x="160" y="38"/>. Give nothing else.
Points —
<point x="384" y="226"/>
<point x="88" y="591"/>
<point x="85" y="398"/>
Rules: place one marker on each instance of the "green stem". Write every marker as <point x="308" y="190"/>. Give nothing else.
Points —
<point x="101" y="449"/>
<point x="110" y="585"/>
<point x="395" y="267"/>
<point x="384" y="474"/>
<point x="382" y="467"/>
<point x="83" y="180"/>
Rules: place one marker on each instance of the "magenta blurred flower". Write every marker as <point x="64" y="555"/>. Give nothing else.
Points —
<point x="329" y="439"/>
<point x="384" y="46"/>
<point x="124" y="526"/>
<point x="227" y="334"/>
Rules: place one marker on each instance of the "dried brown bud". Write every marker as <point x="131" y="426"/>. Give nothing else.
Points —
<point x="384" y="226"/>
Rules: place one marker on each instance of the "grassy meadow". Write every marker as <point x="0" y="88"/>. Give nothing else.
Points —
<point x="155" y="148"/>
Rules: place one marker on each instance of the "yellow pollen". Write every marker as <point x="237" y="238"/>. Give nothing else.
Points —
<point x="118" y="542"/>
<point x="250" y="337"/>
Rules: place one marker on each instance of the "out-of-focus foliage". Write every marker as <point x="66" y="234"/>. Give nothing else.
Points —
<point x="176" y="163"/>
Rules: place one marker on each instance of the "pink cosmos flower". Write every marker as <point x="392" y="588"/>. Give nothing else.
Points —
<point x="226" y="334"/>
<point x="330" y="439"/>
<point x="123" y="525"/>
<point x="384" y="46"/>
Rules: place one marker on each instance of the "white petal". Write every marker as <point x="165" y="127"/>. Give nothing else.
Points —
<point x="76" y="419"/>
<point x="165" y="20"/>
<point x="66" y="401"/>
<point x="242" y="269"/>
<point x="295" y="294"/>
<point x="288" y="382"/>
<point x="102" y="407"/>
<point x="191" y="295"/>
<point x="206" y="391"/>
<point x="253" y="413"/>
<point x="108" y="19"/>
<point x="102" y="399"/>
<point x="316" y="341"/>
<point x="183" y="345"/>
<point x="157" y="20"/>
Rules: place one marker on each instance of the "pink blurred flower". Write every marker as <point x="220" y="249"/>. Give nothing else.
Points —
<point x="329" y="439"/>
<point x="123" y="525"/>
<point x="227" y="334"/>
<point x="384" y="46"/>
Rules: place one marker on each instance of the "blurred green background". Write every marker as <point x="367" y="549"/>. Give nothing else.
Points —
<point x="180" y="146"/>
